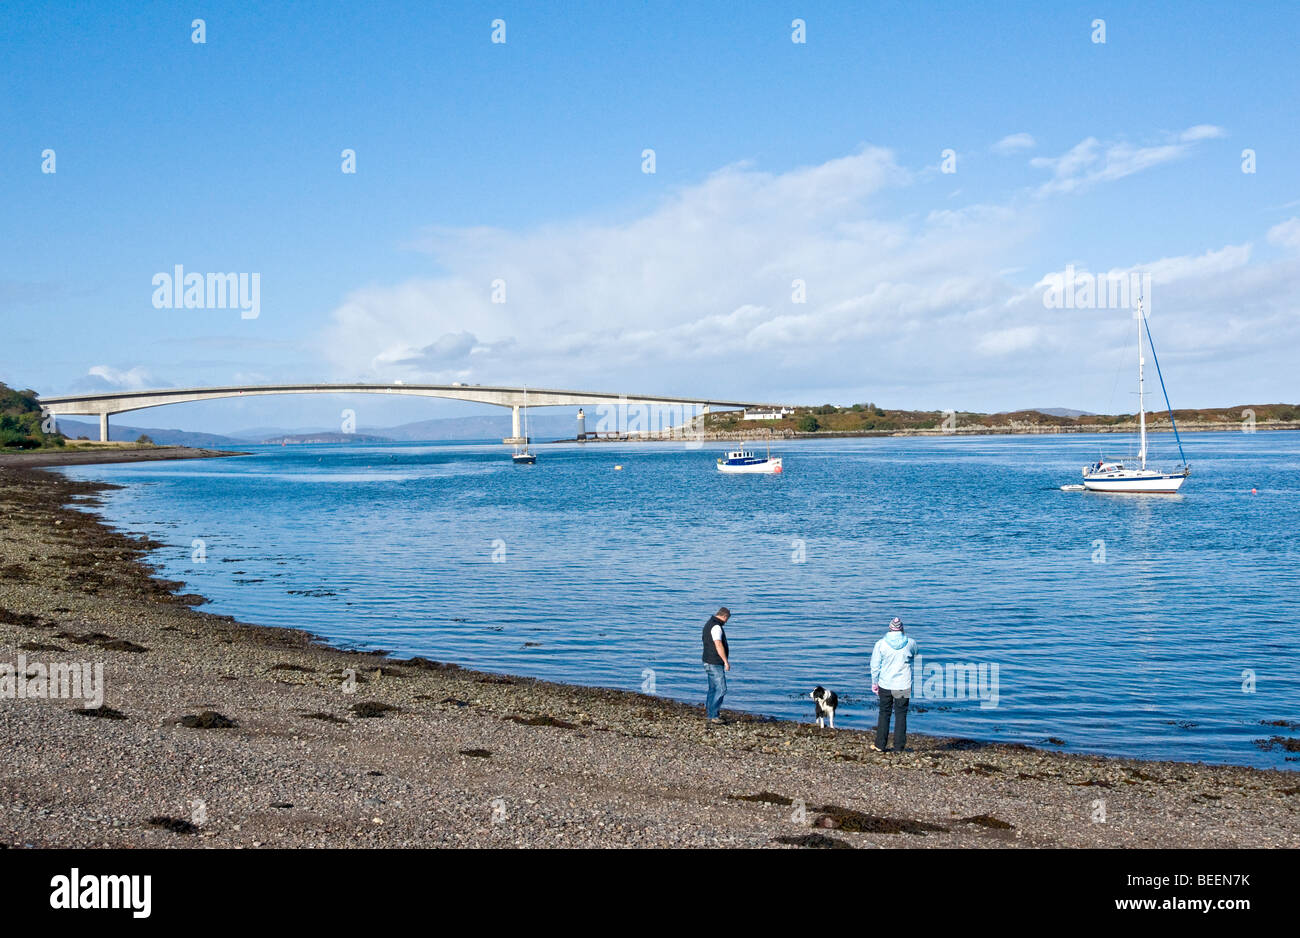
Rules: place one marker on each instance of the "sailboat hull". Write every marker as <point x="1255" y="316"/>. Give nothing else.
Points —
<point x="1135" y="481"/>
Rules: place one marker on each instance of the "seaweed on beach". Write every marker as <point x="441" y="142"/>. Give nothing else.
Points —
<point x="858" y="822"/>
<point x="373" y="709"/>
<point x="107" y="713"/>
<point x="26" y="619"/>
<point x="285" y="666"/>
<point x="174" y="824"/>
<point x="542" y="720"/>
<point x="814" y="842"/>
<point x="121" y="644"/>
<point x="40" y="646"/>
<point x="477" y="753"/>
<point x="325" y="717"/>
<point x="208" y="720"/>
<point x="101" y="640"/>
<point x="989" y="821"/>
<point x="764" y="797"/>
<point x="424" y="664"/>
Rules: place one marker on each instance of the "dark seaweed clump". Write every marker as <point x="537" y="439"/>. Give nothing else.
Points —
<point x="543" y="720"/>
<point x="858" y="822"/>
<point x="988" y="820"/>
<point x="477" y="753"/>
<point x="373" y="709"/>
<point x="325" y="717"/>
<point x="107" y="713"/>
<point x="1278" y="742"/>
<point x="814" y="842"/>
<point x="765" y="797"/>
<point x="208" y="720"/>
<point x="174" y="824"/>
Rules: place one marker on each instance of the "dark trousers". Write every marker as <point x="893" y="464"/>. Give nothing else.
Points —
<point x="898" y="706"/>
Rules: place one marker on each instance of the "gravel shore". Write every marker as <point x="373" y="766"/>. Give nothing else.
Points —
<point x="217" y="733"/>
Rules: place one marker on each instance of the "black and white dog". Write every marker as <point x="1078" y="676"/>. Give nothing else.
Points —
<point x="824" y="704"/>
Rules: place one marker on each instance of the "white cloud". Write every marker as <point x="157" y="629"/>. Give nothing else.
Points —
<point x="1013" y="143"/>
<point x="1286" y="234"/>
<point x="1089" y="161"/>
<point x="111" y="378"/>
<point x="694" y="296"/>
<point x="1007" y="341"/>
<point x="1202" y="132"/>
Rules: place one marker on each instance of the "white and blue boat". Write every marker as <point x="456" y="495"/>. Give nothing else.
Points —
<point x="744" y="460"/>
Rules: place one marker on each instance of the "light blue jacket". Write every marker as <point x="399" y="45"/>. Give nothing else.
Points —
<point x="891" y="662"/>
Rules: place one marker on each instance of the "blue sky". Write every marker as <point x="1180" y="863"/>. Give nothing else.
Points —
<point x="775" y="161"/>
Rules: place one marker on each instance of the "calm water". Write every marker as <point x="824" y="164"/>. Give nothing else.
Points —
<point x="574" y="571"/>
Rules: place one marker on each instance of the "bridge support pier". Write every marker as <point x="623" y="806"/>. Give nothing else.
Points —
<point x="516" y="436"/>
<point x="103" y="428"/>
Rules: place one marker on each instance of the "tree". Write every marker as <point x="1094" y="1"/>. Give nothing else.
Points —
<point x="808" y="424"/>
<point x="143" y="440"/>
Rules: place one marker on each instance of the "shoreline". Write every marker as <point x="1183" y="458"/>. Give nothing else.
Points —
<point x="760" y="434"/>
<point x="49" y="458"/>
<point x="470" y="758"/>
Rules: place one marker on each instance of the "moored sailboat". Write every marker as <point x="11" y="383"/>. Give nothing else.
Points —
<point x="523" y="456"/>
<point x="1109" y="476"/>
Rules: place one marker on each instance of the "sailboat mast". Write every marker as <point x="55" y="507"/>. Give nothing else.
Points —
<point x="1142" y="410"/>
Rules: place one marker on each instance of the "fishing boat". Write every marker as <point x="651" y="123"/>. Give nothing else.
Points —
<point x="744" y="460"/>
<point x="1109" y="476"/>
<point x="523" y="456"/>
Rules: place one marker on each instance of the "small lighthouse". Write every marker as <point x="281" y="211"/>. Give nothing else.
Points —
<point x="582" y="425"/>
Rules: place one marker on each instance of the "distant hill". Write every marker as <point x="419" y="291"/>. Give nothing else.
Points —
<point x="1063" y="412"/>
<point x="331" y="437"/>
<point x="484" y="427"/>
<point x="73" y="429"/>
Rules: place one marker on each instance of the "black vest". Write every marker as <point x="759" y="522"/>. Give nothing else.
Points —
<point x="711" y="655"/>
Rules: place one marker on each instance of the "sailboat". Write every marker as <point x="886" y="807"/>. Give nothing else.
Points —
<point x="522" y="455"/>
<point x="1106" y="476"/>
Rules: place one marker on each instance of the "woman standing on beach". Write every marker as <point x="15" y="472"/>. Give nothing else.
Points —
<point x="891" y="680"/>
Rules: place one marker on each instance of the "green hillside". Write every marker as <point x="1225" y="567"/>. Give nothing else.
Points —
<point x="20" y="421"/>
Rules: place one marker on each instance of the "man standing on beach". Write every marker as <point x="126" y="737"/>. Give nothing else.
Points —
<point x="717" y="662"/>
<point x="891" y="681"/>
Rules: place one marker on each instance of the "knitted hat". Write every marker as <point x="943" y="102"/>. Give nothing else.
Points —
<point x="895" y="624"/>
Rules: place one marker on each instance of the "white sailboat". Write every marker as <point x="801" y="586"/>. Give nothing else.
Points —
<point x="1108" y="476"/>
<point x="523" y="456"/>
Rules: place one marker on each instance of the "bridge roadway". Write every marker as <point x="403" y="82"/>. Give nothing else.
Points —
<point x="118" y="402"/>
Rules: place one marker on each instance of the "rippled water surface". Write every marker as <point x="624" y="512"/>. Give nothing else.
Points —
<point x="575" y="571"/>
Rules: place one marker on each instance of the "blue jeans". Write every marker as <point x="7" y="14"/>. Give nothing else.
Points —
<point x="717" y="689"/>
<point x="898" y="704"/>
